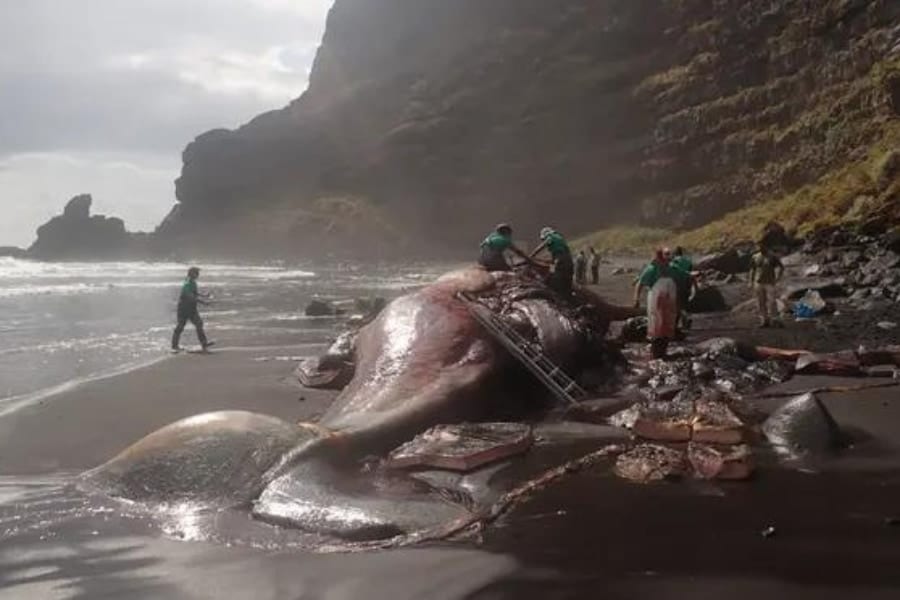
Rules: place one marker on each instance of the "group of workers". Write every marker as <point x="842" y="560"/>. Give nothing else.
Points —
<point x="562" y="272"/>
<point x="561" y="269"/>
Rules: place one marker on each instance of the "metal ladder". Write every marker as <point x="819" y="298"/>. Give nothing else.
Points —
<point x="555" y="379"/>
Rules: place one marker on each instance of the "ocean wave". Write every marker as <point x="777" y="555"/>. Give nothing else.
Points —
<point x="12" y="268"/>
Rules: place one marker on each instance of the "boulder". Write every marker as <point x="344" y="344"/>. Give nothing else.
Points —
<point x="708" y="299"/>
<point x="321" y="308"/>
<point x="730" y="262"/>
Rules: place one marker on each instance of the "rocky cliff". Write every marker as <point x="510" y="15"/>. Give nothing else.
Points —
<point x="427" y="121"/>
<point x="78" y="235"/>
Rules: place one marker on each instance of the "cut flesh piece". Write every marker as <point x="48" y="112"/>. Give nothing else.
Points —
<point x="462" y="447"/>
<point x="709" y="462"/>
<point x="650" y="462"/>
<point x="715" y="423"/>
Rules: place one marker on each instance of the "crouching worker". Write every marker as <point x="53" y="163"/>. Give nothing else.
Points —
<point x="494" y="249"/>
<point x="188" y="310"/>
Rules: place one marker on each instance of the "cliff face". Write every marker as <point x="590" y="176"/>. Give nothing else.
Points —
<point x="426" y="122"/>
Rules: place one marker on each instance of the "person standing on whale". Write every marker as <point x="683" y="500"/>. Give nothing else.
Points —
<point x="562" y="268"/>
<point x="188" y="310"/>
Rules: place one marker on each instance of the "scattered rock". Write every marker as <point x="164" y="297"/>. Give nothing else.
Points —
<point x="887" y="325"/>
<point x="321" y="308"/>
<point x="634" y="330"/>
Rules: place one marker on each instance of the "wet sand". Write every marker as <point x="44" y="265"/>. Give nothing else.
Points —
<point x="589" y="536"/>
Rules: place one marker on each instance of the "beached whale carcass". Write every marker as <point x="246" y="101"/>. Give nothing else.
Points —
<point x="424" y="361"/>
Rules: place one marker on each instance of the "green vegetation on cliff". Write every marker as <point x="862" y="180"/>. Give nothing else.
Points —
<point x="852" y="195"/>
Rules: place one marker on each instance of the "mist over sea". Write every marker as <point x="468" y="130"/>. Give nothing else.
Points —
<point x="61" y="323"/>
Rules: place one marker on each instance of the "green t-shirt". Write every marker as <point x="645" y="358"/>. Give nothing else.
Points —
<point x="557" y="245"/>
<point x="188" y="293"/>
<point x="683" y="263"/>
<point x="654" y="272"/>
<point x="497" y="242"/>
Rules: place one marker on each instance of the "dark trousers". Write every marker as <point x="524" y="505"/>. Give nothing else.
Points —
<point x="595" y="275"/>
<point x="493" y="261"/>
<point x="192" y="315"/>
<point x="560" y="279"/>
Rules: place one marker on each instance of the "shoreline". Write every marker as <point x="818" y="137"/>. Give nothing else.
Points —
<point x="585" y="533"/>
<point x="86" y="424"/>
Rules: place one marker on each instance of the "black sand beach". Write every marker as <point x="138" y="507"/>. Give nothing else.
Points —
<point x="835" y="530"/>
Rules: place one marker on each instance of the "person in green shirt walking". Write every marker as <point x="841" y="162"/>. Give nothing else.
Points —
<point x="766" y="269"/>
<point x="494" y="248"/>
<point x="188" y="310"/>
<point x="562" y="269"/>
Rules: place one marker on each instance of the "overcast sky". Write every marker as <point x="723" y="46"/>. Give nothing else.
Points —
<point x="101" y="96"/>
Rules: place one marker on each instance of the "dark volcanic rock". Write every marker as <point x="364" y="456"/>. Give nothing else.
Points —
<point x="13" y="252"/>
<point x="77" y="235"/>
<point x="708" y="299"/>
<point x="730" y="262"/>
<point x="321" y="308"/>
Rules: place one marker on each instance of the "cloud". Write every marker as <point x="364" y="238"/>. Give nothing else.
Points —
<point x="105" y="82"/>
<point x="137" y="188"/>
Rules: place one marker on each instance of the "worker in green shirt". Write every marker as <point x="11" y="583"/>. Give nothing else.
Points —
<point x="682" y="261"/>
<point x="687" y="285"/>
<point x="562" y="268"/>
<point x="494" y="248"/>
<point x="188" y="310"/>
